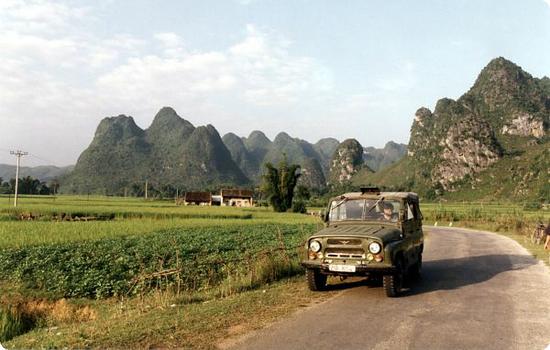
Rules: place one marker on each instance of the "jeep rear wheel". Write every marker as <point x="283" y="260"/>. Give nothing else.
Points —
<point x="393" y="282"/>
<point x="316" y="281"/>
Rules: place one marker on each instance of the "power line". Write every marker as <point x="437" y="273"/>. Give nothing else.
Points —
<point x="18" y="154"/>
<point x="42" y="159"/>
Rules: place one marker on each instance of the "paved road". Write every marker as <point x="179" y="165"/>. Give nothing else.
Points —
<point x="479" y="291"/>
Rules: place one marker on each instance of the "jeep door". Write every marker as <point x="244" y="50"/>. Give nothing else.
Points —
<point x="412" y="230"/>
<point x="416" y="225"/>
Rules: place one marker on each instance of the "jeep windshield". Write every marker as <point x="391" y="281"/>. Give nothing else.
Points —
<point x="365" y="210"/>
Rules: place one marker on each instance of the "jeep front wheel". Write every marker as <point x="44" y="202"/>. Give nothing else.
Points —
<point x="316" y="281"/>
<point x="393" y="282"/>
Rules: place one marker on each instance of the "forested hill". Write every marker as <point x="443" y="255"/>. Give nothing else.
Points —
<point x="172" y="152"/>
<point x="493" y="142"/>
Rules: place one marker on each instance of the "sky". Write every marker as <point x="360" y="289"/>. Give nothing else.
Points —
<point x="312" y="68"/>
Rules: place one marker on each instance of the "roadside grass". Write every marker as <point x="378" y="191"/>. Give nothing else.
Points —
<point x="13" y="323"/>
<point x="165" y="320"/>
<point x="505" y="219"/>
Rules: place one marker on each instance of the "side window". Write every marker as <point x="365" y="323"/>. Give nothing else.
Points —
<point x="410" y="212"/>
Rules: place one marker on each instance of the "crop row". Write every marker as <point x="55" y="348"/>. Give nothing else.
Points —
<point x="191" y="258"/>
<point x="102" y="214"/>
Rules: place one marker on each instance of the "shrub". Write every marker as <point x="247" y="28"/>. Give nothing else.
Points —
<point x="299" y="207"/>
<point x="532" y="206"/>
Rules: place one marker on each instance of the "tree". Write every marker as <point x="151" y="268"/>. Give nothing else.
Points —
<point x="279" y="183"/>
<point x="4" y="187"/>
<point x="302" y="193"/>
<point x="54" y="186"/>
<point x="28" y="185"/>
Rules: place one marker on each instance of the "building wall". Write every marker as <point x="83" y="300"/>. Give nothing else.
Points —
<point x="237" y="202"/>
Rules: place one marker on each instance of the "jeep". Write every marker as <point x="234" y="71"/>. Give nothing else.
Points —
<point x="371" y="234"/>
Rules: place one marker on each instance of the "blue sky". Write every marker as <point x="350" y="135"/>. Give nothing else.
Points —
<point x="311" y="68"/>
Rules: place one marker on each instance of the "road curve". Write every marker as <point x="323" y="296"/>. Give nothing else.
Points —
<point x="478" y="290"/>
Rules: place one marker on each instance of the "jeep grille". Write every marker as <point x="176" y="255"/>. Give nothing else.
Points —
<point x="353" y="253"/>
<point x="343" y="241"/>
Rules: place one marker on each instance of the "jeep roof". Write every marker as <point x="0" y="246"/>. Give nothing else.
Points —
<point x="357" y="195"/>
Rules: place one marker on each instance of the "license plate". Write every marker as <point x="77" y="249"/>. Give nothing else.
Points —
<point x="341" y="268"/>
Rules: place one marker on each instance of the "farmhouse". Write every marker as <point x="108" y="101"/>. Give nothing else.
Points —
<point x="236" y="198"/>
<point x="197" y="198"/>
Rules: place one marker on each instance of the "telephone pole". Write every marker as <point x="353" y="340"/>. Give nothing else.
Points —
<point x="146" y="187"/>
<point x="18" y="154"/>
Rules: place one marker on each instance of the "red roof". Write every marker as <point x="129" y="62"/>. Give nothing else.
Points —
<point x="198" y="196"/>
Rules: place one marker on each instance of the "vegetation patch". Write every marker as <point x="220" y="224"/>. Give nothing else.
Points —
<point x="186" y="259"/>
<point x="13" y="322"/>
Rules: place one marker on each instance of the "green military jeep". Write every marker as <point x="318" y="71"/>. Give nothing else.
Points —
<point x="368" y="233"/>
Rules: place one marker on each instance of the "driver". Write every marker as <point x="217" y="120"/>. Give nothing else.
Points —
<point x="388" y="214"/>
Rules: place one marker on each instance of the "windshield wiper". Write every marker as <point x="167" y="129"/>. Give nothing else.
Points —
<point x="340" y="203"/>
<point x="374" y="205"/>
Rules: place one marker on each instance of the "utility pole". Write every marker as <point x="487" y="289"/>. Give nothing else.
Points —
<point x="146" y="185"/>
<point x="18" y="154"/>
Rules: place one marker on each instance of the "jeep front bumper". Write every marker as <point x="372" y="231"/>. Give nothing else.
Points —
<point x="360" y="269"/>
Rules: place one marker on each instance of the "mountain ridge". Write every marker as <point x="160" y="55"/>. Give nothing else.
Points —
<point x="503" y="118"/>
<point x="173" y="152"/>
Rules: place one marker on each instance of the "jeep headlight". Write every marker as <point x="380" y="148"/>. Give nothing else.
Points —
<point x="315" y="246"/>
<point x="375" y="247"/>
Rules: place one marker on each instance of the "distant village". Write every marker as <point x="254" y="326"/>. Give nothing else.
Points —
<point x="226" y="198"/>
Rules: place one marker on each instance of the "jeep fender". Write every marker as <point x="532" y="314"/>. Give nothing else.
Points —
<point x="393" y="249"/>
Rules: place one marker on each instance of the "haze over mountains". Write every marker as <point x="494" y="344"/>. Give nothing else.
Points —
<point x="42" y="172"/>
<point x="493" y="142"/>
<point x="174" y="152"/>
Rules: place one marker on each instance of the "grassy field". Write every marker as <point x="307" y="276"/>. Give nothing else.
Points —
<point x="112" y="272"/>
<point x="95" y="252"/>
<point x="38" y="220"/>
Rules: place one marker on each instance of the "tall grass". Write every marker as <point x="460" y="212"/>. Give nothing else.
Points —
<point x="13" y="323"/>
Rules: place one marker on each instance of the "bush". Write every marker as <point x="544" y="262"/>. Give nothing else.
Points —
<point x="299" y="207"/>
<point x="532" y="206"/>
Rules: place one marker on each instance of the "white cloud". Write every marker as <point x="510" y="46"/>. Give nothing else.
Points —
<point x="547" y="2"/>
<point x="63" y="79"/>
<point x="169" y="39"/>
<point x="38" y="15"/>
<point x="258" y="70"/>
<point x="34" y="47"/>
<point x="172" y="44"/>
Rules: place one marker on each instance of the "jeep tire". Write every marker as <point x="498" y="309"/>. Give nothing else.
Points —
<point x="393" y="282"/>
<point x="316" y="281"/>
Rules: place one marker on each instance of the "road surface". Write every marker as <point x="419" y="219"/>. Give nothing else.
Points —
<point x="478" y="290"/>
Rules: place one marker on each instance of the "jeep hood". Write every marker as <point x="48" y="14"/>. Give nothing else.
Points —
<point x="384" y="233"/>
